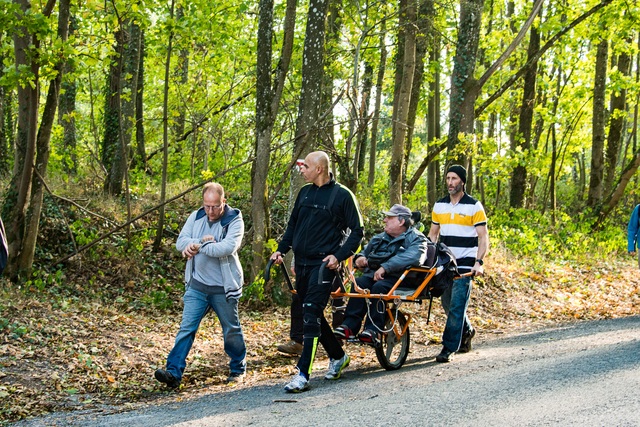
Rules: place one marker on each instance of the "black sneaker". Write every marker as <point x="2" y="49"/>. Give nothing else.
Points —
<point x="465" y="346"/>
<point x="236" y="378"/>
<point x="445" y="356"/>
<point x="167" y="378"/>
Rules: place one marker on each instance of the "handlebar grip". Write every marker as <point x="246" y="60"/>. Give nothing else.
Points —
<point x="267" y="270"/>
<point x="321" y="272"/>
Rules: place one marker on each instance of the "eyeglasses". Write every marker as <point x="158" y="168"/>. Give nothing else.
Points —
<point x="213" y="208"/>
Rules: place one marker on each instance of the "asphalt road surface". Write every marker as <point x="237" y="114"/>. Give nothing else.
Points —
<point x="583" y="374"/>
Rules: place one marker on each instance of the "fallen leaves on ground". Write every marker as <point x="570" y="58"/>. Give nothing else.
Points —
<point x="86" y="355"/>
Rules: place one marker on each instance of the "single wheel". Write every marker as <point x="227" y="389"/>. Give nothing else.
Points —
<point x="393" y="350"/>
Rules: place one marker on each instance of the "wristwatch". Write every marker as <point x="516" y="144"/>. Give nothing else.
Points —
<point x="479" y="261"/>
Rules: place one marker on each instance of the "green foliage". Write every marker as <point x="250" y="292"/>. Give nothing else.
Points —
<point x="529" y="234"/>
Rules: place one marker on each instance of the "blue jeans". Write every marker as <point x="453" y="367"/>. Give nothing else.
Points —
<point x="196" y="305"/>
<point x="455" y="301"/>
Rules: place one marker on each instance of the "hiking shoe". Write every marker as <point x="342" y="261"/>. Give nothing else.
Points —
<point x="336" y="366"/>
<point x="167" y="378"/>
<point x="291" y="347"/>
<point x="465" y="346"/>
<point x="236" y="378"/>
<point x="445" y="356"/>
<point x="369" y="337"/>
<point x="343" y="332"/>
<point x="297" y="384"/>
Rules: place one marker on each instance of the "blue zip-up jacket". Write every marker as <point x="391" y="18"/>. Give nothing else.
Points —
<point x="632" y="230"/>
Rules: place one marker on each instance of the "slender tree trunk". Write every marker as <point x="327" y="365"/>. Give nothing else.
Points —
<point x="525" y="123"/>
<point x="376" y="112"/>
<point x="311" y="90"/>
<point x="597" y="142"/>
<point x="267" y="103"/>
<point x="396" y="167"/>
<point x="464" y="88"/>
<point x="425" y="15"/>
<point x="7" y="96"/>
<point x="67" y="111"/>
<point x="616" y="123"/>
<point x="111" y="115"/>
<point x="165" y="133"/>
<point x="182" y="77"/>
<point x="363" y="125"/>
<point x="23" y="232"/>
<point x="18" y="196"/>
<point x="140" y="159"/>
<point x="433" y="126"/>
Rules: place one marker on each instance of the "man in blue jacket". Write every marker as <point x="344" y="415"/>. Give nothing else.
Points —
<point x="210" y="240"/>
<point x="323" y="215"/>
<point x="632" y="232"/>
<point x="384" y="259"/>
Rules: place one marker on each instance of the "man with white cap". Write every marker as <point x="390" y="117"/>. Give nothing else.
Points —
<point x="383" y="260"/>
<point x="460" y="222"/>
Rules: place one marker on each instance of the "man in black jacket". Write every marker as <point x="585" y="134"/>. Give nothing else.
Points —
<point x="323" y="214"/>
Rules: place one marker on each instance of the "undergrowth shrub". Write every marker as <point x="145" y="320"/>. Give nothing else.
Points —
<point x="529" y="234"/>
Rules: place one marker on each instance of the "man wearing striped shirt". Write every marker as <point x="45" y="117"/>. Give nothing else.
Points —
<point x="460" y="222"/>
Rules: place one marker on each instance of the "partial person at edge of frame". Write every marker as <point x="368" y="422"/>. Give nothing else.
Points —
<point x="632" y="233"/>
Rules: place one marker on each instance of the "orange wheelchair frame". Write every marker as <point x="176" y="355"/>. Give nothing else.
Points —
<point x="413" y="286"/>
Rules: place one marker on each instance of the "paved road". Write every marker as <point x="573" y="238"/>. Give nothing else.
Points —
<point x="584" y="374"/>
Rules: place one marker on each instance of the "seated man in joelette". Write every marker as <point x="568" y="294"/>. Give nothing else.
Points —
<point x="383" y="260"/>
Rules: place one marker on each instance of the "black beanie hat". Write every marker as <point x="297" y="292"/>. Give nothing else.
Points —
<point x="460" y="171"/>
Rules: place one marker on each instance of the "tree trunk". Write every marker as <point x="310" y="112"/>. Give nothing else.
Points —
<point x="126" y="80"/>
<point x="464" y="88"/>
<point x="25" y="219"/>
<point x="67" y="112"/>
<point x="523" y="137"/>
<point x="165" y="133"/>
<point x="396" y="167"/>
<point x="111" y="115"/>
<point x="425" y="15"/>
<point x="18" y="196"/>
<point x="363" y="125"/>
<point x="182" y="77"/>
<point x="616" y="123"/>
<point x="311" y="90"/>
<point x="433" y="125"/>
<point x="597" y="142"/>
<point x="6" y="125"/>
<point x="140" y="158"/>
<point x="267" y="103"/>
<point x="376" y="112"/>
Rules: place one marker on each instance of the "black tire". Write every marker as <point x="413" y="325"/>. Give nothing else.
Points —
<point x="393" y="350"/>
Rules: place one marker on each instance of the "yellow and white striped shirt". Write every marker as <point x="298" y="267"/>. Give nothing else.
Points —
<point x="458" y="227"/>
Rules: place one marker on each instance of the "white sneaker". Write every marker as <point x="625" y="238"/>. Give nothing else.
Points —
<point x="336" y="366"/>
<point x="298" y="383"/>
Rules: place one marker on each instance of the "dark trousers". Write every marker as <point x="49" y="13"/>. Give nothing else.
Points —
<point x="357" y="307"/>
<point x="296" y="332"/>
<point x="314" y="296"/>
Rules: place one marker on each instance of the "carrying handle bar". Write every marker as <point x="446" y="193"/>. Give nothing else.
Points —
<point x="285" y="273"/>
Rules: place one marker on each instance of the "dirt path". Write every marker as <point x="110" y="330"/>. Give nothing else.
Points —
<point x="584" y="373"/>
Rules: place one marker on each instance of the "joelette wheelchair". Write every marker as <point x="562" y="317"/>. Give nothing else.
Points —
<point x="415" y="285"/>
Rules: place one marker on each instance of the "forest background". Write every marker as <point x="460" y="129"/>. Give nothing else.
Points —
<point x="113" y="114"/>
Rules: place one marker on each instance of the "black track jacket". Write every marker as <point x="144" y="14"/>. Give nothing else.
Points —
<point x="314" y="231"/>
